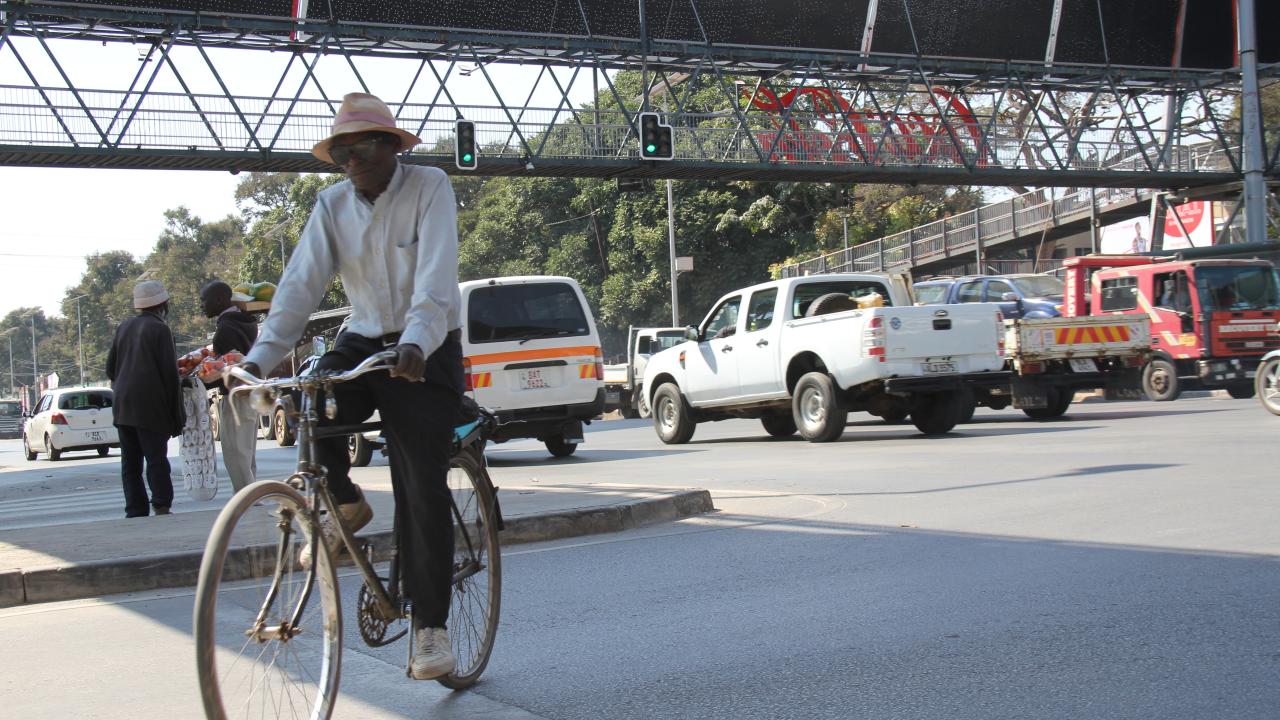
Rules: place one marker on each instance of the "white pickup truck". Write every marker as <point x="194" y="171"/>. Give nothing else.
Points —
<point x="801" y="353"/>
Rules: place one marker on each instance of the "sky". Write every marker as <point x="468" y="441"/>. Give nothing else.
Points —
<point x="55" y="217"/>
<point x="52" y="218"/>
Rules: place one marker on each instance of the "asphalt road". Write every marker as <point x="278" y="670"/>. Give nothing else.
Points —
<point x="1118" y="563"/>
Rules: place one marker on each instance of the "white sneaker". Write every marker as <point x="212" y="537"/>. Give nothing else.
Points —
<point x="355" y="515"/>
<point x="433" y="656"/>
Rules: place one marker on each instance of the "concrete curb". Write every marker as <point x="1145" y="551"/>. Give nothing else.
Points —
<point x="155" y="572"/>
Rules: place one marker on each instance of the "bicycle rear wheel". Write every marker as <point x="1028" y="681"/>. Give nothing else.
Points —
<point x="477" y="570"/>
<point x="268" y="634"/>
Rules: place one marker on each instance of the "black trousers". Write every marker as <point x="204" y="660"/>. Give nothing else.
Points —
<point x="418" y="420"/>
<point x="138" y="445"/>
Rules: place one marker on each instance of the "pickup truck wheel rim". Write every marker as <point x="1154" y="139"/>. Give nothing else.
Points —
<point x="813" y="407"/>
<point x="667" y="411"/>
<point x="1269" y="385"/>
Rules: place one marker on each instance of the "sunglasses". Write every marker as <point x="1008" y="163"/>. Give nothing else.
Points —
<point x="362" y="150"/>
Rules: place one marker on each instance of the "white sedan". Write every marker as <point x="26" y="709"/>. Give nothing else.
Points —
<point x="75" y="418"/>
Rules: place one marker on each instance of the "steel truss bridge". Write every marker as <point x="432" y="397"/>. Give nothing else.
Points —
<point x="239" y="92"/>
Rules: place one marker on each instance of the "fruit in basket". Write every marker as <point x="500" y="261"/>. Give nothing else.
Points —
<point x="243" y="289"/>
<point x="264" y="291"/>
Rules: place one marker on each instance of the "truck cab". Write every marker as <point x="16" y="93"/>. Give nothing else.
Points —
<point x="1212" y="320"/>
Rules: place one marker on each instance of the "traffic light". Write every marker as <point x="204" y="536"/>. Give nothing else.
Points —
<point x="464" y="145"/>
<point x="655" y="138"/>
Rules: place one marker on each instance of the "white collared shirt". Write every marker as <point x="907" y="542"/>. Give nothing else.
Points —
<point x="397" y="257"/>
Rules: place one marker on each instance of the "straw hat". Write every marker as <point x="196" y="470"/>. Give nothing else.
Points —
<point x="361" y="112"/>
<point x="149" y="293"/>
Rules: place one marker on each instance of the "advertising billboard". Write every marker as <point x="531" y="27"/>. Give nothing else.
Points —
<point x="1133" y="236"/>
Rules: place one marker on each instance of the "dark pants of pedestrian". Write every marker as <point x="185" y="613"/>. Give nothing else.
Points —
<point x="138" y="445"/>
<point x="417" y="420"/>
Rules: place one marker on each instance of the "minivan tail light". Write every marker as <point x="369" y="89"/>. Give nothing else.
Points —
<point x="599" y="362"/>
<point x="466" y="373"/>
<point x="58" y="419"/>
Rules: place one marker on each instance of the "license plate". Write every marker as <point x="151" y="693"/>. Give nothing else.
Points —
<point x="533" y="380"/>
<point x="934" y="368"/>
<point x="95" y="436"/>
<point x="1083" y="365"/>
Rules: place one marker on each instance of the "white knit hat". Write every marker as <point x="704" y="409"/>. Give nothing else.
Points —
<point x="362" y="112"/>
<point x="149" y="293"/>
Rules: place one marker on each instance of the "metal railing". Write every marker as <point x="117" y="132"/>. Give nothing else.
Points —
<point x="1020" y="215"/>
<point x="112" y="120"/>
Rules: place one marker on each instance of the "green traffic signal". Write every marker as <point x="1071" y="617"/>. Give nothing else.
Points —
<point x="466" y="158"/>
<point x="651" y="148"/>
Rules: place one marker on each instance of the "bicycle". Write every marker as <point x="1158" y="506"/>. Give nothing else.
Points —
<point x="269" y="632"/>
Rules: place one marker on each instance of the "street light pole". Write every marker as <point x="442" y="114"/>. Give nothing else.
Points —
<point x="9" y="336"/>
<point x="79" y="336"/>
<point x="671" y="238"/>
<point x="35" y="372"/>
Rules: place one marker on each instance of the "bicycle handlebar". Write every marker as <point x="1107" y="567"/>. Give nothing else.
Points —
<point x="376" y="361"/>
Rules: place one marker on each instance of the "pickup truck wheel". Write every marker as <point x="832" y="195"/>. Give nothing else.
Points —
<point x="779" y="425"/>
<point x="284" y="433"/>
<point x="968" y="407"/>
<point x="1059" y="400"/>
<point x="815" y="409"/>
<point x="938" y="412"/>
<point x="558" y="447"/>
<point x="1243" y="391"/>
<point x="831" y="303"/>
<point x="1267" y="384"/>
<point x="359" y="450"/>
<point x="671" y="417"/>
<point x="642" y="403"/>
<point x="1160" y="381"/>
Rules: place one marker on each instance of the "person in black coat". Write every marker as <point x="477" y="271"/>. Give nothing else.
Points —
<point x="237" y="421"/>
<point x="142" y="366"/>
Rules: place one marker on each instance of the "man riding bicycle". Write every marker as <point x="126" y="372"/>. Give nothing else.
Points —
<point x="389" y="231"/>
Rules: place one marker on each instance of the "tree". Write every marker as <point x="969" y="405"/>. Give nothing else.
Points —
<point x="107" y="284"/>
<point x="188" y="254"/>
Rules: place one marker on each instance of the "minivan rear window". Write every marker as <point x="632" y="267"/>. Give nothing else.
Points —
<point x="502" y="313"/>
<point x="85" y="401"/>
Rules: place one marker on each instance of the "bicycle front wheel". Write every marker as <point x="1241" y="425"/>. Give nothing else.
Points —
<point x="268" y="633"/>
<point x="477" y="570"/>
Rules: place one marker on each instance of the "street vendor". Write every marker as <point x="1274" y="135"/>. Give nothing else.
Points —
<point x="237" y="421"/>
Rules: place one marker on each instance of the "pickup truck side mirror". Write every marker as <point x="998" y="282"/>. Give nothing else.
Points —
<point x="1009" y="297"/>
<point x="691" y="333"/>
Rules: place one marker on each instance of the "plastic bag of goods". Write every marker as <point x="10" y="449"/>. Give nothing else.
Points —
<point x="199" y="460"/>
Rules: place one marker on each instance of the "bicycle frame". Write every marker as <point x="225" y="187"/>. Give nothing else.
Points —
<point x="311" y="476"/>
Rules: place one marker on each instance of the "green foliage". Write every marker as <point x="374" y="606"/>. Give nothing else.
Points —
<point x="277" y="228"/>
<point x="189" y="254"/>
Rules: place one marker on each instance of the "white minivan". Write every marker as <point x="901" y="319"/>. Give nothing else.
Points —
<point x="533" y="357"/>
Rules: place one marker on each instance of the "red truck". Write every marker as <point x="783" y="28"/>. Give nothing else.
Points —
<point x="1211" y="319"/>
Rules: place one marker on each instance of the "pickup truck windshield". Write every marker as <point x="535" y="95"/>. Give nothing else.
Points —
<point x="499" y="313"/>
<point x="806" y="293"/>
<point x="1035" y="286"/>
<point x="1249" y="287"/>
